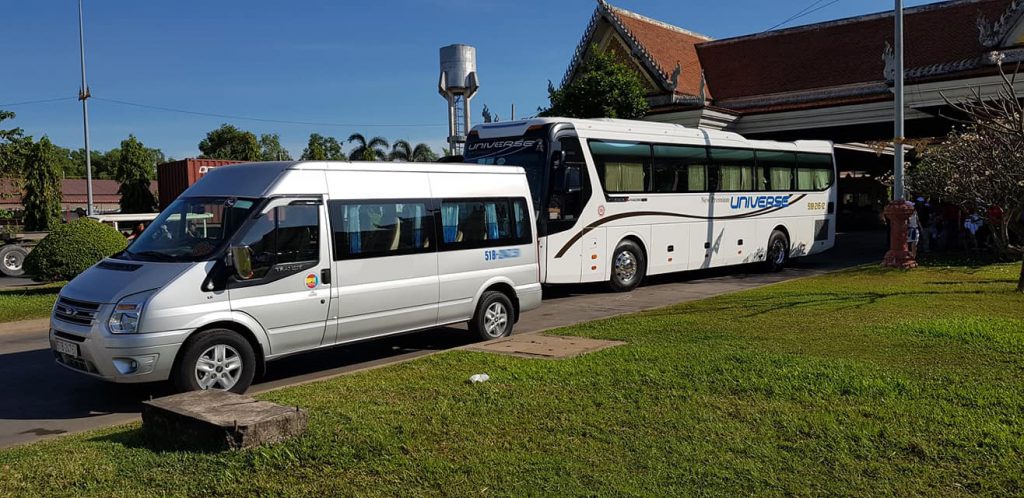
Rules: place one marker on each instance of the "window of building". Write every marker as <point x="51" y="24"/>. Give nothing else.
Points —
<point x="814" y="171"/>
<point x="285" y="234"/>
<point x="624" y="167"/>
<point x="473" y="223"/>
<point x="734" y="168"/>
<point x="680" y="168"/>
<point x="365" y="229"/>
<point x="777" y="168"/>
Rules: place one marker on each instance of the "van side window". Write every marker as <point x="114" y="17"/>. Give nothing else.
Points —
<point x="286" y="234"/>
<point x="522" y="219"/>
<point x="468" y="224"/>
<point x="365" y="229"/>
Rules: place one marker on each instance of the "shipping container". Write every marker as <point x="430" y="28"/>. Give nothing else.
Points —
<point x="176" y="176"/>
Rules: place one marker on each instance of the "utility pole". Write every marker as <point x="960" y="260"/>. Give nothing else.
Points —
<point x="83" y="95"/>
<point x="898" y="192"/>
<point x="898" y="212"/>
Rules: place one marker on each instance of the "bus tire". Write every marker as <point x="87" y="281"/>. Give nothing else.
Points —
<point x="629" y="266"/>
<point x="215" y="359"/>
<point x="12" y="259"/>
<point x="494" y="316"/>
<point x="778" y="252"/>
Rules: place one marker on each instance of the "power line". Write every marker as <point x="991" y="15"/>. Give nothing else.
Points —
<point x="803" y="12"/>
<point x="43" y="101"/>
<point x="266" y="120"/>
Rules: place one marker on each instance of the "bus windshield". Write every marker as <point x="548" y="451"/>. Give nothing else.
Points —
<point x="529" y="153"/>
<point x="190" y="229"/>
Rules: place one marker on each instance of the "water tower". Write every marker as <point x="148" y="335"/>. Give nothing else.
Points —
<point x="458" y="84"/>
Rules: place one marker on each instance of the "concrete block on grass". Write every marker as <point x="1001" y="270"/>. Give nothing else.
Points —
<point x="218" y="420"/>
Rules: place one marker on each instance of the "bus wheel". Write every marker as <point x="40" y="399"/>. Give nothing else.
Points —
<point x="628" y="267"/>
<point x="778" y="252"/>
<point x="215" y="359"/>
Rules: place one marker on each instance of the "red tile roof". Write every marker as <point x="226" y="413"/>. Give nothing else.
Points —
<point x="843" y="52"/>
<point x="73" y="191"/>
<point x="668" y="46"/>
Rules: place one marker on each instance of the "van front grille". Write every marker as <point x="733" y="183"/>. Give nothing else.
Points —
<point x="76" y="312"/>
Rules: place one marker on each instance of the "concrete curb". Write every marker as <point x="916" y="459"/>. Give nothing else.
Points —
<point x="24" y="326"/>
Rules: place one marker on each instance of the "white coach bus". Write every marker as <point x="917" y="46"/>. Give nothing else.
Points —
<point x="618" y="200"/>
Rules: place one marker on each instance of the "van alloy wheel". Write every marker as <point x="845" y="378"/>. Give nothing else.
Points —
<point x="496" y="319"/>
<point x="219" y="367"/>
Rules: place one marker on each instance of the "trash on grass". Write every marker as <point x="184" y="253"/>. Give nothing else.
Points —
<point x="479" y="378"/>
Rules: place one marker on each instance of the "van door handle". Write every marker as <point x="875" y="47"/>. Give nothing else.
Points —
<point x="325" y="275"/>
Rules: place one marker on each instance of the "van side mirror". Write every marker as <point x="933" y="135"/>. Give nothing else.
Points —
<point x="241" y="258"/>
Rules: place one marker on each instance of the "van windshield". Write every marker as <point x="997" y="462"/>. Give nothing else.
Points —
<point x="190" y="229"/>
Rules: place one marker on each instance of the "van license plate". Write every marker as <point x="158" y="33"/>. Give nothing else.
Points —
<point x="68" y="348"/>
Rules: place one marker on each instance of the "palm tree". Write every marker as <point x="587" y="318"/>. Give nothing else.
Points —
<point x="373" y="150"/>
<point x="403" y="151"/>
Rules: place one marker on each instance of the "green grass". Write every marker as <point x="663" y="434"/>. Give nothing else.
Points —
<point x="28" y="303"/>
<point x="867" y="382"/>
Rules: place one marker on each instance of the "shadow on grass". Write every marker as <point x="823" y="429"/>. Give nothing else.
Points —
<point x="141" y="439"/>
<point x="829" y="301"/>
<point x="30" y="291"/>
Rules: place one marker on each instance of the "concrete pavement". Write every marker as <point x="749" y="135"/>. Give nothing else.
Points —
<point x="40" y="399"/>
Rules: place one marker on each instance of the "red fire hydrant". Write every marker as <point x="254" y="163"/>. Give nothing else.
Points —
<point x="898" y="213"/>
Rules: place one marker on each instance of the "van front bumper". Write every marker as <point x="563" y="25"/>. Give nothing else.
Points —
<point x="128" y="358"/>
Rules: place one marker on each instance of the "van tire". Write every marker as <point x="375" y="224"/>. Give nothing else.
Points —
<point x="777" y="254"/>
<point x="12" y="260"/>
<point x="629" y="266"/>
<point x="217" y="348"/>
<point x="494" y="316"/>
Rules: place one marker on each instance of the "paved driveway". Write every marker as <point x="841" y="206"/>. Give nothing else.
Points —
<point x="39" y="398"/>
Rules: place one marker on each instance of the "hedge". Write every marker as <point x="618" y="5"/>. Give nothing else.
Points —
<point x="72" y="248"/>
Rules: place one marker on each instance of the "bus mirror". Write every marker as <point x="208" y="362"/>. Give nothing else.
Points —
<point x="241" y="257"/>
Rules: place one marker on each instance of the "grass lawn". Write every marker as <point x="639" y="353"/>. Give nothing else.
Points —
<point x="867" y="382"/>
<point x="28" y="303"/>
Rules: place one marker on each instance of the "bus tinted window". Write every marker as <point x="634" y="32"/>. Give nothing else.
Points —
<point x="777" y="169"/>
<point x="735" y="169"/>
<point x="365" y="229"/>
<point x="623" y="167"/>
<point x="680" y="168"/>
<point x="467" y="224"/>
<point x="814" y="171"/>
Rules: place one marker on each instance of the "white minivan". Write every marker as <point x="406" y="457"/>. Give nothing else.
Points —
<point x="295" y="256"/>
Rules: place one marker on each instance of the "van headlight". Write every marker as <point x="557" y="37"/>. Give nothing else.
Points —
<point x="127" y="313"/>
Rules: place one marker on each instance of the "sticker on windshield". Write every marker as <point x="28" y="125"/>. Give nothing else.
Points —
<point x="312" y="281"/>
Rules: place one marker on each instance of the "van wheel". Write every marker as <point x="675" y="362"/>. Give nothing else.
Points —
<point x="778" y="252"/>
<point x="215" y="359"/>
<point x="12" y="258"/>
<point x="494" y="316"/>
<point x="628" y="267"/>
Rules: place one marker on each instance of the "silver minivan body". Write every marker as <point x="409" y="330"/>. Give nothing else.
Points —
<point x="358" y="250"/>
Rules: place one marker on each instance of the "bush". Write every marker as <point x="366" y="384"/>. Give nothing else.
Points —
<point x="72" y="248"/>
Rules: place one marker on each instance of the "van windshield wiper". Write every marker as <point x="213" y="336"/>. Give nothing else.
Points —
<point x="156" y="255"/>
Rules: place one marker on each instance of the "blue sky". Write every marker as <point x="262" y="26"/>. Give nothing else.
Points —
<point x="351" y="63"/>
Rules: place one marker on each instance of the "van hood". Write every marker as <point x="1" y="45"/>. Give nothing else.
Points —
<point x="111" y="279"/>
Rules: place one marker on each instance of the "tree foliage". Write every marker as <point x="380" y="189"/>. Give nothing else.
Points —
<point x="72" y="248"/>
<point x="271" y="148"/>
<point x="12" y="148"/>
<point x="321" y="148"/>
<point x="42" y="194"/>
<point x="402" y="150"/>
<point x="374" y="149"/>
<point x="982" y="164"/>
<point x="134" y="171"/>
<point x="229" y="142"/>
<point x="603" y="87"/>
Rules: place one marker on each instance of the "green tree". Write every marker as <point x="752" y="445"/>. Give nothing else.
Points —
<point x="12" y="148"/>
<point x="135" y="170"/>
<point x="603" y="87"/>
<point x="374" y="149"/>
<point x="402" y="150"/>
<point x="229" y="142"/>
<point x="321" y="148"/>
<point x="271" y="148"/>
<point x="42" y="186"/>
